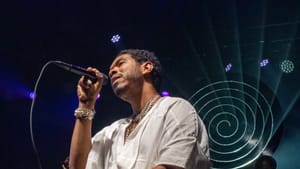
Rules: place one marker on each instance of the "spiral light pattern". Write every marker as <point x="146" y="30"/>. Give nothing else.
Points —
<point x="239" y="122"/>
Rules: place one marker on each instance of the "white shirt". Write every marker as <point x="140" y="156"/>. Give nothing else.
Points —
<point x="171" y="133"/>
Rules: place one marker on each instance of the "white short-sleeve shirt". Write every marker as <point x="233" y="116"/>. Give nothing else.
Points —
<point x="171" y="133"/>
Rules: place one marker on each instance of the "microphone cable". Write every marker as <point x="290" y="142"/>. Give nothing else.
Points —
<point x="31" y="111"/>
<point x="72" y="68"/>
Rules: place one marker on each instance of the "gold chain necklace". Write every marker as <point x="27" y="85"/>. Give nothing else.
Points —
<point x="139" y="116"/>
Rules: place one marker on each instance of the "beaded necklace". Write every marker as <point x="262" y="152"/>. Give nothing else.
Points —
<point x="136" y="118"/>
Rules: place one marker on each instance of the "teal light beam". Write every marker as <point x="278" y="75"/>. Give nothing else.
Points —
<point x="288" y="109"/>
<point x="215" y="51"/>
<point x="263" y="10"/>
<point x="293" y="33"/>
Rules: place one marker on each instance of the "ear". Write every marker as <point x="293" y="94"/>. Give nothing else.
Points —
<point x="147" y="67"/>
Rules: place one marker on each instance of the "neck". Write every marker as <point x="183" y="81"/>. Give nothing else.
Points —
<point x="139" y="101"/>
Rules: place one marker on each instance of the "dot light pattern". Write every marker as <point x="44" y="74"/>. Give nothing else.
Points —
<point x="239" y="122"/>
<point x="264" y="63"/>
<point x="228" y="67"/>
<point x="287" y="66"/>
<point x="115" y="38"/>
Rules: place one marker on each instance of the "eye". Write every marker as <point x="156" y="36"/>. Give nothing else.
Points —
<point x="121" y="62"/>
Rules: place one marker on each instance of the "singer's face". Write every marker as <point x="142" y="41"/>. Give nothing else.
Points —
<point x="125" y="76"/>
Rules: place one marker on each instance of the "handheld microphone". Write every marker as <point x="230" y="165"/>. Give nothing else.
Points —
<point x="81" y="71"/>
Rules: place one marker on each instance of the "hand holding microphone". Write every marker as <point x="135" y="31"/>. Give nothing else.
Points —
<point x="89" y="85"/>
<point x="88" y="90"/>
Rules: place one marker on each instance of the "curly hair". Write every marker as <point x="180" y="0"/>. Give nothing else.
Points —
<point x="142" y="56"/>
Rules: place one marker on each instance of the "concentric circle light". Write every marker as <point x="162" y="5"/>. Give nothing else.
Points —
<point x="239" y="122"/>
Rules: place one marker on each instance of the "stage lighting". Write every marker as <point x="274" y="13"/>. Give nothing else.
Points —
<point x="98" y="96"/>
<point x="264" y="62"/>
<point x="32" y="95"/>
<point x="287" y="66"/>
<point x="228" y="67"/>
<point x="239" y="121"/>
<point x="165" y="93"/>
<point x="116" y="38"/>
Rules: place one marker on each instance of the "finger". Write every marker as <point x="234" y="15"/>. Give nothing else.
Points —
<point x="90" y="69"/>
<point x="96" y="86"/>
<point x="85" y="82"/>
<point x="81" y="81"/>
<point x="99" y="75"/>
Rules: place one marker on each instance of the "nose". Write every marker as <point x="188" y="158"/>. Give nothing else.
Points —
<point x="112" y="71"/>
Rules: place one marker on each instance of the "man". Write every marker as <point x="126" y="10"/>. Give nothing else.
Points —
<point x="162" y="133"/>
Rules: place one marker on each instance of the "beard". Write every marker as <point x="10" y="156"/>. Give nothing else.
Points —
<point x="119" y="90"/>
<point x="128" y="84"/>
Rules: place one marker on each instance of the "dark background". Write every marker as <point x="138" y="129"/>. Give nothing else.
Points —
<point x="194" y="40"/>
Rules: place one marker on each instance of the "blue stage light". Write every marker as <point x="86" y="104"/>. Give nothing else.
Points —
<point x="116" y="38"/>
<point x="264" y="62"/>
<point x="165" y="93"/>
<point x="32" y="95"/>
<point x="228" y="67"/>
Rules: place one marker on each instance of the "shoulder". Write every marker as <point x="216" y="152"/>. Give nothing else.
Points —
<point x="177" y="102"/>
<point x="180" y="112"/>
<point x="178" y="106"/>
<point x="183" y="117"/>
<point x="174" y="99"/>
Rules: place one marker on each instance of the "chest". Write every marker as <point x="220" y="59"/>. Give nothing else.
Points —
<point x="142" y="144"/>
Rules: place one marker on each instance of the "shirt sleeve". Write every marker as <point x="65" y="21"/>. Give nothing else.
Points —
<point x="182" y="143"/>
<point x="98" y="152"/>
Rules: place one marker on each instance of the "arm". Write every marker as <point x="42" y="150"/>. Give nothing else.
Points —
<point x="81" y="138"/>
<point x="80" y="144"/>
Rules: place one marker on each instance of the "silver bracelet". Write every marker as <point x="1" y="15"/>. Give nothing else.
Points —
<point x="84" y="113"/>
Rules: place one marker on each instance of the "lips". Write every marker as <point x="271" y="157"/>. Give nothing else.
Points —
<point x="114" y="78"/>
